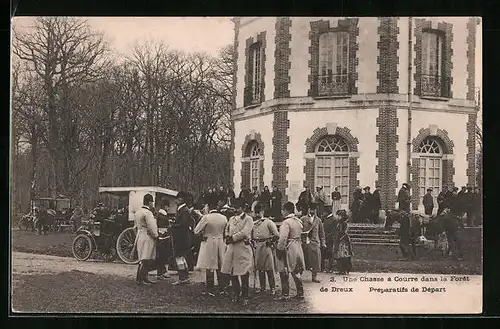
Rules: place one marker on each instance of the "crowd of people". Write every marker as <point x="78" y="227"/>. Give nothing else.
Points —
<point x="234" y="239"/>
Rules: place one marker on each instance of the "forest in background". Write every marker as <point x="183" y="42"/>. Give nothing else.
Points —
<point x="83" y="117"/>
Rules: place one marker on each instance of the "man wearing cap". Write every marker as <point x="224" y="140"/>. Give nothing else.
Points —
<point x="147" y="234"/>
<point x="404" y="198"/>
<point x="238" y="259"/>
<point x="357" y="203"/>
<point x="182" y="237"/>
<point x="212" y="248"/>
<point x="313" y="240"/>
<point x="289" y="253"/>
<point x="329" y="226"/>
<point x="428" y="202"/>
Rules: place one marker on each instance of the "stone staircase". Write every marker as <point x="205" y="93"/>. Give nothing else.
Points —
<point x="373" y="234"/>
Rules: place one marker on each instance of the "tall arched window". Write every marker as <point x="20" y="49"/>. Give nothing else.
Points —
<point x="430" y="166"/>
<point x="255" y="157"/>
<point x="332" y="167"/>
<point x="333" y="63"/>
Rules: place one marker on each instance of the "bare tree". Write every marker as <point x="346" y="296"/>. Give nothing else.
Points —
<point x="64" y="53"/>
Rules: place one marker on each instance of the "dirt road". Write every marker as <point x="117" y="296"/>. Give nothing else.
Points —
<point x="96" y="286"/>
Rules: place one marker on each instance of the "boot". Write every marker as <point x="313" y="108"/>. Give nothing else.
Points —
<point x="272" y="283"/>
<point x="299" y="286"/>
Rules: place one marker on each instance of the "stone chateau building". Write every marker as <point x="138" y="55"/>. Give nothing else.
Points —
<point x="354" y="102"/>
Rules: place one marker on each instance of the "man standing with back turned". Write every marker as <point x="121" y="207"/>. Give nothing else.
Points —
<point x="289" y="254"/>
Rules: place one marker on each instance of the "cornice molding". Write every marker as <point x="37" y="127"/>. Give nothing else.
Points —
<point x="355" y="102"/>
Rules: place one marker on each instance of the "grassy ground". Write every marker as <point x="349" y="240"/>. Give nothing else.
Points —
<point x="90" y="293"/>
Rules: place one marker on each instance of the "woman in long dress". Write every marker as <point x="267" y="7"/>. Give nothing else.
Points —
<point x="342" y="248"/>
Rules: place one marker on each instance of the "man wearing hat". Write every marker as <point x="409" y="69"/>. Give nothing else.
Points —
<point x="313" y="240"/>
<point x="238" y="259"/>
<point x="212" y="248"/>
<point x="181" y="234"/>
<point x="404" y="197"/>
<point x="428" y="202"/>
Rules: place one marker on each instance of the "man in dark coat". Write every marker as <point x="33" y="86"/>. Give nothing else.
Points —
<point x="276" y="204"/>
<point x="230" y="196"/>
<point x="428" y="202"/>
<point x="462" y="200"/>
<point x="356" y="205"/>
<point x="221" y="194"/>
<point x="443" y="199"/>
<point x="404" y="197"/>
<point x="407" y="235"/>
<point x="163" y="245"/>
<point x="477" y="206"/>
<point x="305" y="200"/>
<point x="454" y="203"/>
<point x="182" y="236"/>
<point x="376" y="204"/>
<point x="367" y="208"/>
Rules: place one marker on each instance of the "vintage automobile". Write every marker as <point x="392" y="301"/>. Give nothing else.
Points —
<point x="112" y="233"/>
<point x="59" y="208"/>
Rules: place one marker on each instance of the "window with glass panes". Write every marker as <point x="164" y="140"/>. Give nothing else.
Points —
<point x="430" y="166"/>
<point x="256" y="72"/>
<point x="432" y="68"/>
<point x="333" y="62"/>
<point x="332" y="167"/>
<point x="255" y="158"/>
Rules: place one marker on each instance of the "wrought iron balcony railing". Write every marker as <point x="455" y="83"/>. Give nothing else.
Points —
<point x="334" y="84"/>
<point x="434" y="85"/>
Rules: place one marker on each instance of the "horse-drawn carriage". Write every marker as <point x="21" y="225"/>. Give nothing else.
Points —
<point x="57" y="214"/>
<point x="112" y="233"/>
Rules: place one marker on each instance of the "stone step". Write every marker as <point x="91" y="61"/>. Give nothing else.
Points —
<point x="362" y="243"/>
<point x="374" y="240"/>
<point x="371" y="236"/>
<point x="391" y="232"/>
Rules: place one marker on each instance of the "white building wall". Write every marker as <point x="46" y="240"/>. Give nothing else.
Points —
<point x="300" y="43"/>
<point x="455" y="124"/>
<point x="459" y="57"/>
<point x="362" y="124"/>
<point x="403" y="55"/>
<point x="367" y="55"/>
<point x="252" y="30"/>
<point x="264" y="126"/>
<point x="401" y="161"/>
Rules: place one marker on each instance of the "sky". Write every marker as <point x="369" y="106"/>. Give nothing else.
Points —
<point x="189" y="34"/>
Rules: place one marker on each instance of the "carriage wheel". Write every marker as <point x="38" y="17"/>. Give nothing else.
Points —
<point x="82" y="247"/>
<point x="125" y="246"/>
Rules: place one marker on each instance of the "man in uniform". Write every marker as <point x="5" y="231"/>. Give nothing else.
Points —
<point x="212" y="247"/>
<point x="313" y="239"/>
<point x="289" y="254"/>
<point x="264" y="236"/>
<point x="238" y="259"/>
<point x="147" y="235"/>
<point x="182" y="237"/>
<point x="320" y="201"/>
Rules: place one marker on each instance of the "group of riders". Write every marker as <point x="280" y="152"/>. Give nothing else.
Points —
<point x="228" y="241"/>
